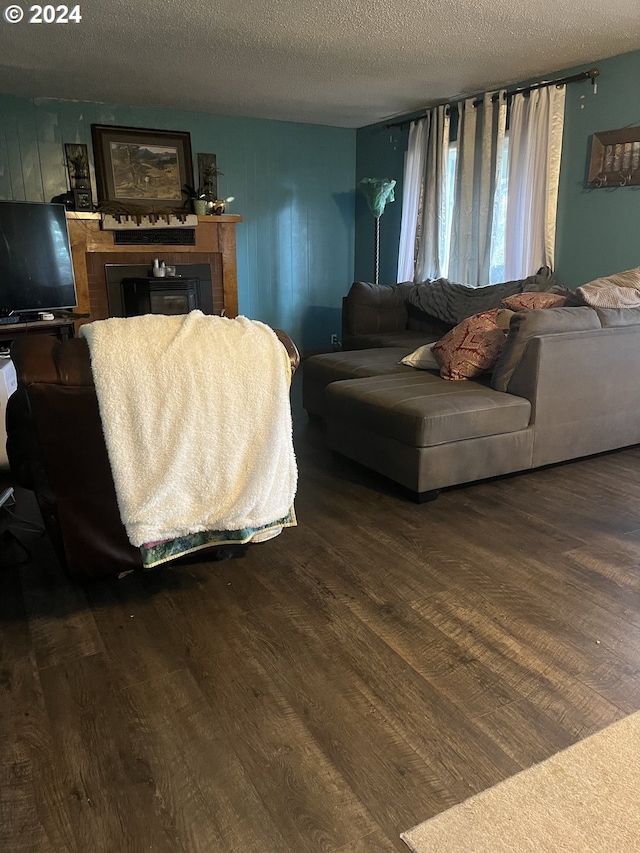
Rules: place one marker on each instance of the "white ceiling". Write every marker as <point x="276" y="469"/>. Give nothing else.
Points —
<point x="330" y="62"/>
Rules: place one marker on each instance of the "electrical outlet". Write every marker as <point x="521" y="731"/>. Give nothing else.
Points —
<point x="334" y="340"/>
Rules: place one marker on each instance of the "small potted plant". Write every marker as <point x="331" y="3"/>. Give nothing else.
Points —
<point x="204" y="200"/>
<point x="198" y="202"/>
<point x="208" y="178"/>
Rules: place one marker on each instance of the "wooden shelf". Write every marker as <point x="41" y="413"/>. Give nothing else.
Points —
<point x="205" y="220"/>
<point x="62" y="328"/>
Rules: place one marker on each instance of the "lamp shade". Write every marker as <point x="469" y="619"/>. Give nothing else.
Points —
<point x="377" y="191"/>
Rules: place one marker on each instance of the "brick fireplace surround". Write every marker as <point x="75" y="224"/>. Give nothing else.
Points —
<point x="92" y="249"/>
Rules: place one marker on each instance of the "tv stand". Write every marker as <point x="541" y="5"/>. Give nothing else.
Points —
<point x="62" y="328"/>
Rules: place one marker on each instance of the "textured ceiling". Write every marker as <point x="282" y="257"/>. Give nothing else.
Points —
<point x="331" y="62"/>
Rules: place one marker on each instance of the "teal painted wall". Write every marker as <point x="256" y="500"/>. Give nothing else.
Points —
<point x="598" y="230"/>
<point x="293" y="185"/>
<point x="380" y="154"/>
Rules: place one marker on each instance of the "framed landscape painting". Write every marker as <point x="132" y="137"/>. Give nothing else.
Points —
<point x="141" y="167"/>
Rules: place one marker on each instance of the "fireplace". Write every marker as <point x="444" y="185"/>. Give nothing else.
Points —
<point x="160" y="295"/>
<point x="95" y="252"/>
<point x="132" y="290"/>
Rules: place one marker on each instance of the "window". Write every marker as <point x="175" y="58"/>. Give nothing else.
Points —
<point x="474" y="244"/>
<point x="498" y="233"/>
<point x="499" y="228"/>
<point x="445" y="234"/>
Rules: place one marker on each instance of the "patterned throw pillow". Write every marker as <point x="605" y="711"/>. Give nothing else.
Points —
<point x="530" y="301"/>
<point x="472" y="348"/>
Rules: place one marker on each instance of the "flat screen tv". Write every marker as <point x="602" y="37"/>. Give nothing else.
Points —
<point x="36" y="272"/>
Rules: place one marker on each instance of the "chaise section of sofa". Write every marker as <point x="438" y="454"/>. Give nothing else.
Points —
<point x="425" y="432"/>
<point x="319" y="371"/>
<point x="566" y="385"/>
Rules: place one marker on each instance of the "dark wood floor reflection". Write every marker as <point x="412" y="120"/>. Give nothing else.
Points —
<point x="355" y="676"/>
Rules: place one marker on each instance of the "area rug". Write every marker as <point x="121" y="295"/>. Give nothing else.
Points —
<point x="585" y="799"/>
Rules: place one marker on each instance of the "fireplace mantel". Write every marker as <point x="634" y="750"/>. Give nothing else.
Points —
<point x="92" y="248"/>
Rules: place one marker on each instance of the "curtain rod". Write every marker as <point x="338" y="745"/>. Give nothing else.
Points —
<point x="591" y="74"/>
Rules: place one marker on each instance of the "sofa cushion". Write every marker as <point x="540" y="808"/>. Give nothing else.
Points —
<point x="420" y="321"/>
<point x="423" y="410"/>
<point x="375" y="308"/>
<point x="407" y="340"/>
<point x="334" y="366"/>
<point x="528" y="324"/>
<point x="618" y="316"/>
<point x="471" y="348"/>
<point x="319" y="370"/>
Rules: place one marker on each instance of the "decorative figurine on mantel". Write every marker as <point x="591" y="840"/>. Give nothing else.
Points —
<point x="208" y="172"/>
<point x="220" y="204"/>
<point x="79" y="179"/>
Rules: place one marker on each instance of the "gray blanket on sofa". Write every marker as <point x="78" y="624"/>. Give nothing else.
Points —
<point x="453" y="303"/>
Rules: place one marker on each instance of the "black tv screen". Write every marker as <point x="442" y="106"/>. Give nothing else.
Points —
<point x="36" y="272"/>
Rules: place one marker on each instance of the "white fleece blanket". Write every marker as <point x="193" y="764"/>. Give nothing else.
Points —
<point x="197" y="421"/>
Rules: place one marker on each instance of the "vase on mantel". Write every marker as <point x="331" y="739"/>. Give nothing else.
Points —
<point x="209" y="195"/>
<point x="200" y="206"/>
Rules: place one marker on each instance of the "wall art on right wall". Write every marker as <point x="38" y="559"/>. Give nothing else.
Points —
<point x="615" y="158"/>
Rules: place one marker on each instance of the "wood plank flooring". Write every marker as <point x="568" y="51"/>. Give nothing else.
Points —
<point x="353" y="677"/>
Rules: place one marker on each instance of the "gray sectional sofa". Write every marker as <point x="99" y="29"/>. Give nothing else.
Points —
<point x="567" y="385"/>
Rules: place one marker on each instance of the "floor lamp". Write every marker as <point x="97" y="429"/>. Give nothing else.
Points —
<point x="377" y="191"/>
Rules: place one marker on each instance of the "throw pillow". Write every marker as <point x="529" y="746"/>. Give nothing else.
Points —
<point x="614" y="291"/>
<point x="422" y="358"/>
<point x="472" y="348"/>
<point x="503" y="318"/>
<point x="531" y="301"/>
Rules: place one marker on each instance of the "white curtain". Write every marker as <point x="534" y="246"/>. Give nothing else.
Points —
<point x="535" y="147"/>
<point x="424" y="198"/>
<point x="481" y="131"/>
<point x="413" y="182"/>
<point x="430" y="257"/>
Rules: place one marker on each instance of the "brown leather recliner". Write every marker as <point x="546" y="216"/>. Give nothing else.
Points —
<point x="56" y="448"/>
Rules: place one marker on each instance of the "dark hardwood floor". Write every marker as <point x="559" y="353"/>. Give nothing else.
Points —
<point x="358" y="674"/>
